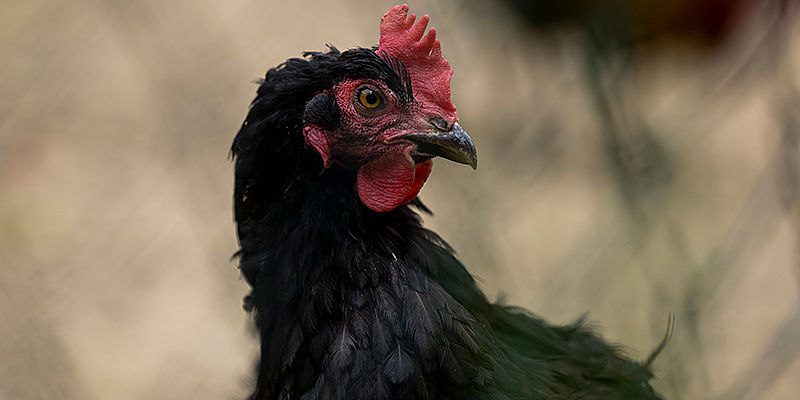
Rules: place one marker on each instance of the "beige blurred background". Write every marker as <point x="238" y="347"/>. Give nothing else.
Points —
<point x="628" y="175"/>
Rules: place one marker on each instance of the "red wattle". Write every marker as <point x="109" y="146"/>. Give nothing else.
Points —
<point x="391" y="180"/>
<point x="421" y="173"/>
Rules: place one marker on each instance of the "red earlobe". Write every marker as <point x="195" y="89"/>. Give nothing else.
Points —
<point x="316" y="139"/>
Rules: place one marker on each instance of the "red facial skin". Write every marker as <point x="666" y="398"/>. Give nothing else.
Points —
<point x="387" y="175"/>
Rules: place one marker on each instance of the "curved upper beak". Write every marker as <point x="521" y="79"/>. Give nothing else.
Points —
<point x="454" y="145"/>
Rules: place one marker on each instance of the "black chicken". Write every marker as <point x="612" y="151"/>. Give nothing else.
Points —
<point x="352" y="297"/>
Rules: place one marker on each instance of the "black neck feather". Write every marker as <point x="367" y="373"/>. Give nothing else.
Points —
<point x="326" y="271"/>
<point x="354" y="304"/>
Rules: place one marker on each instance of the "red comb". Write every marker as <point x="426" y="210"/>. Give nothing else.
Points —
<point x="422" y="56"/>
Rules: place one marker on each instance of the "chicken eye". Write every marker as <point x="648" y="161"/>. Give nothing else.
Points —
<point x="369" y="99"/>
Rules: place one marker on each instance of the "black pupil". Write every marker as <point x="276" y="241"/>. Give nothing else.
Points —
<point x="370" y="97"/>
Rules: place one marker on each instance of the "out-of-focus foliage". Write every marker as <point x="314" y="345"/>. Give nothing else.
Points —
<point x="635" y="161"/>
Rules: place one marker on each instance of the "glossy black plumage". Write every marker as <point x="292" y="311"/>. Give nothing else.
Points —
<point x="354" y="304"/>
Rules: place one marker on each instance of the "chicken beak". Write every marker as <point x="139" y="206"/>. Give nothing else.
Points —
<point x="454" y="145"/>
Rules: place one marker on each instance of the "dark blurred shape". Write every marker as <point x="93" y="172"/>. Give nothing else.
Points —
<point x="701" y="22"/>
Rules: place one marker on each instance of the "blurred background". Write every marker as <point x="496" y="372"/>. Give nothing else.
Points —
<point x="637" y="159"/>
